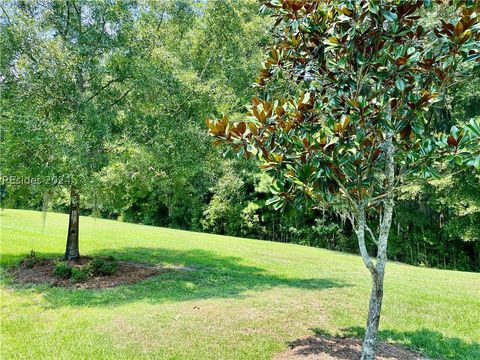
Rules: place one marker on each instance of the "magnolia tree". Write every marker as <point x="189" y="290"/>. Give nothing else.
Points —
<point x="342" y="120"/>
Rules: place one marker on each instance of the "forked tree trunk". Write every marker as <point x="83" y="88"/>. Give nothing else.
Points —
<point x="72" y="251"/>
<point x="377" y="270"/>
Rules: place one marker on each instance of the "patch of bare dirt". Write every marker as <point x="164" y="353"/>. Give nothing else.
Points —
<point x="41" y="272"/>
<point x="322" y="347"/>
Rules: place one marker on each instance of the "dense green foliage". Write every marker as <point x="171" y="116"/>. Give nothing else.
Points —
<point x="147" y="157"/>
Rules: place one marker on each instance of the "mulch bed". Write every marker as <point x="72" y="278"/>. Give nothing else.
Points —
<point x="127" y="273"/>
<point x="345" y="348"/>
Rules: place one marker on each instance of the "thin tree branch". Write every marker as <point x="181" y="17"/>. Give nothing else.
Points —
<point x="115" y="102"/>
<point x="101" y="89"/>
<point x="361" y="240"/>
<point x="6" y="15"/>
<point x="370" y="231"/>
<point x="344" y="190"/>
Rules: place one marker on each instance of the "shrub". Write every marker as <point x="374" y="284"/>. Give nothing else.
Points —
<point x="62" y="270"/>
<point x="29" y="261"/>
<point x="79" y="275"/>
<point x="101" y="267"/>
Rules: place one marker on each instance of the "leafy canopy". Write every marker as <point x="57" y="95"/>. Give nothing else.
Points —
<point x="343" y="81"/>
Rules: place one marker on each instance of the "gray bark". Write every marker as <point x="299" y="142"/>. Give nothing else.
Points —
<point x="72" y="251"/>
<point x="377" y="270"/>
<point x="374" y="309"/>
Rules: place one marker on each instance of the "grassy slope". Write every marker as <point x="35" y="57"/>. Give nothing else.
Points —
<point x="243" y="299"/>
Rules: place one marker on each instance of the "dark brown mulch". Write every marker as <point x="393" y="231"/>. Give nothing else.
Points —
<point x="127" y="273"/>
<point x="322" y="347"/>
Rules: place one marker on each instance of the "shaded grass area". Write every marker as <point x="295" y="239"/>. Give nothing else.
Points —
<point x="204" y="275"/>
<point x="438" y="345"/>
<point x="235" y="299"/>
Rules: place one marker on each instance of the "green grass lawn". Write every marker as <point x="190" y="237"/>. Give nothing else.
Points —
<point x="241" y="299"/>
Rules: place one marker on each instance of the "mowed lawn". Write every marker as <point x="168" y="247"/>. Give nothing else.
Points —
<point x="239" y="298"/>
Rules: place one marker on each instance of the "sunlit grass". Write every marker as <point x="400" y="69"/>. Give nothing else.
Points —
<point x="240" y="299"/>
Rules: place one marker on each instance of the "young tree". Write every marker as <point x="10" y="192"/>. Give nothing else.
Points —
<point x="342" y="121"/>
<point x="66" y="68"/>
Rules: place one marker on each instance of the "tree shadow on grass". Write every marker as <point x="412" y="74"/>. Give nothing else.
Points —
<point x="430" y="343"/>
<point x="200" y="274"/>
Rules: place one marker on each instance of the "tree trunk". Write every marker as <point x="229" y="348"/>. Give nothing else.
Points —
<point x="72" y="252"/>
<point x="374" y="308"/>
<point x="377" y="270"/>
